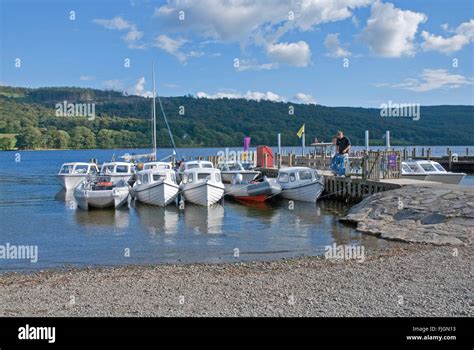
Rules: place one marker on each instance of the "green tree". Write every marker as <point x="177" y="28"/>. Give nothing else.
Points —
<point x="105" y="138"/>
<point x="30" y="138"/>
<point x="82" y="137"/>
<point x="58" y="139"/>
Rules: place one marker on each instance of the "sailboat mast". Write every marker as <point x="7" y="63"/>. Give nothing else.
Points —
<point x="154" y="111"/>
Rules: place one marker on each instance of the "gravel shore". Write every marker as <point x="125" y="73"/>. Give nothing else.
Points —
<point x="399" y="280"/>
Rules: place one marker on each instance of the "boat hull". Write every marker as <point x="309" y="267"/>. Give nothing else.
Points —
<point x="160" y="194"/>
<point x="114" y="198"/>
<point x="309" y="192"/>
<point x="447" y="178"/>
<point x="203" y="193"/>
<point x="70" y="182"/>
<point x="253" y="192"/>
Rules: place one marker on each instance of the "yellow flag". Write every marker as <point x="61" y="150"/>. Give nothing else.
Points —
<point x="301" y="132"/>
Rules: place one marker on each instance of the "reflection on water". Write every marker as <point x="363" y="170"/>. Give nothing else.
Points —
<point x="157" y="220"/>
<point x="207" y="220"/>
<point x="113" y="218"/>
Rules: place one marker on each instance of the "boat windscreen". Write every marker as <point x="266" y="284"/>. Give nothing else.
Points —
<point x="66" y="169"/>
<point x="80" y="169"/>
<point x="203" y="176"/>
<point x="305" y="175"/>
<point x="427" y="167"/>
<point x="123" y="169"/>
<point x="439" y="167"/>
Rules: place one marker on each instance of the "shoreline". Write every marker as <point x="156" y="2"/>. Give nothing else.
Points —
<point x="398" y="280"/>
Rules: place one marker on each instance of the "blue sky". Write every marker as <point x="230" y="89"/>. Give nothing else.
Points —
<point x="403" y="51"/>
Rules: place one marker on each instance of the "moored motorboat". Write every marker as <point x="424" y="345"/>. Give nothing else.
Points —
<point x="253" y="191"/>
<point x="192" y="164"/>
<point x="156" y="186"/>
<point x="100" y="193"/>
<point x="202" y="186"/>
<point x="230" y="170"/>
<point x="118" y="171"/>
<point x="300" y="183"/>
<point x="72" y="174"/>
<point x="430" y="171"/>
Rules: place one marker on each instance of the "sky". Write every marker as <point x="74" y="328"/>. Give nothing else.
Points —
<point x="360" y="53"/>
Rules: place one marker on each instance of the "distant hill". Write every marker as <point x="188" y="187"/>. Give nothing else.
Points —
<point x="124" y="121"/>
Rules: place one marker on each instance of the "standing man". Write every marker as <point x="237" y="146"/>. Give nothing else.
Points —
<point x="343" y="143"/>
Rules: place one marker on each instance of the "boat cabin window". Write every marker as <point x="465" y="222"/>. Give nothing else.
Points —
<point x="93" y="169"/>
<point x="406" y="168"/>
<point x="439" y="167"/>
<point x="414" y="168"/>
<point x="283" y="177"/>
<point x="234" y="167"/>
<point x="207" y="166"/>
<point x="81" y="169"/>
<point x="292" y="177"/>
<point x="218" y="177"/>
<point x="159" y="177"/>
<point x="145" y="178"/>
<point x="109" y="169"/>
<point x="122" y="169"/>
<point x="66" y="169"/>
<point x="427" y="167"/>
<point x="192" y="166"/>
<point x="203" y="176"/>
<point x="173" y="177"/>
<point x="190" y="177"/>
<point x="305" y="175"/>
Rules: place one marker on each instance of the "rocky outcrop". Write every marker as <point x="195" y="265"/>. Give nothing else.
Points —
<point x="437" y="215"/>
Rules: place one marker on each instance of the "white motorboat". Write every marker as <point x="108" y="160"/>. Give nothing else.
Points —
<point x="72" y="174"/>
<point x="101" y="192"/>
<point x="118" y="171"/>
<point x="230" y="170"/>
<point x="430" y="171"/>
<point x="300" y="183"/>
<point x="156" y="186"/>
<point x="157" y="165"/>
<point x="202" y="186"/>
<point x="193" y="164"/>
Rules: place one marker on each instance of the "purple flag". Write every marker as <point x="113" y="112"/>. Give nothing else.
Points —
<point x="246" y="143"/>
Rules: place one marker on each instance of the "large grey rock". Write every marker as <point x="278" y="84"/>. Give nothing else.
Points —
<point x="417" y="214"/>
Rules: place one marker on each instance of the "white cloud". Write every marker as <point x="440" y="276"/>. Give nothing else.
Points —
<point x="249" y="95"/>
<point x="252" y="65"/>
<point x="171" y="46"/>
<point x="390" y="32"/>
<point x="431" y="79"/>
<point x="296" y="54"/>
<point x="118" y="23"/>
<point x="463" y="35"/>
<point x="332" y="44"/>
<point x="304" y="98"/>
<point x="257" y="22"/>
<point x="139" y="89"/>
<point x="86" y="77"/>
<point x="174" y="47"/>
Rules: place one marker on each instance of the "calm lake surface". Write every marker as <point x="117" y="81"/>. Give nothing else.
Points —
<point x="34" y="211"/>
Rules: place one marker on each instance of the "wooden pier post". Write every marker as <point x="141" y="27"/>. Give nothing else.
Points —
<point x="428" y="153"/>
<point x="450" y="159"/>
<point x="413" y="152"/>
<point x="423" y="152"/>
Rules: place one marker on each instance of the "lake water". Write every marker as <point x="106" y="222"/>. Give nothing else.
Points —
<point x="35" y="212"/>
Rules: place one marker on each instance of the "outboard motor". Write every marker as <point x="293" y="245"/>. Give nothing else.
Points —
<point x="238" y="178"/>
